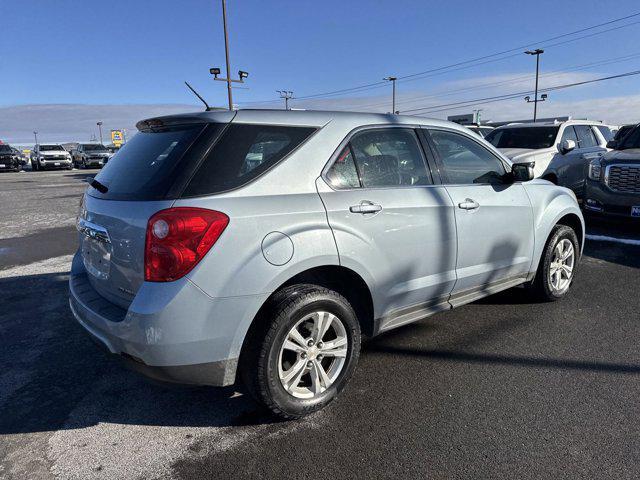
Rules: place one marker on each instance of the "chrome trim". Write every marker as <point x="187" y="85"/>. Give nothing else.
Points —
<point x="93" y="231"/>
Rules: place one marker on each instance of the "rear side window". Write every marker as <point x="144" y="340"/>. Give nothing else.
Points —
<point x="605" y="131"/>
<point x="242" y="153"/>
<point x="389" y="157"/>
<point x="343" y="173"/>
<point x="143" y="169"/>
<point x="586" y="138"/>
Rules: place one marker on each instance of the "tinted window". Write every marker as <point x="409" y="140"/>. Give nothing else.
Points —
<point x="143" y="168"/>
<point x="523" y="137"/>
<point x="242" y="153"/>
<point x="5" y="148"/>
<point x="99" y="148"/>
<point x="465" y="161"/>
<point x="343" y="173"/>
<point x="606" y="133"/>
<point x="586" y="138"/>
<point x="622" y="131"/>
<point x="569" y="134"/>
<point x="51" y="148"/>
<point x="389" y="157"/>
<point x="631" y="139"/>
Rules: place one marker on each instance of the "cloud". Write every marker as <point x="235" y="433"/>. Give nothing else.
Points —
<point x="75" y="122"/>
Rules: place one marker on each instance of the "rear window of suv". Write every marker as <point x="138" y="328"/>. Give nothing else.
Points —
<point x="144" y="168"/>
<point x="243" y="153"/>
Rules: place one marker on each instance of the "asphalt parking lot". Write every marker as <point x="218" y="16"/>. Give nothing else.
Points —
<point x="501" y="388"/>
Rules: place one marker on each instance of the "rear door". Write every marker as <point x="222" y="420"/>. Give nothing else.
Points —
<point x="494" y="219"/>
<point x="393" y="222"/>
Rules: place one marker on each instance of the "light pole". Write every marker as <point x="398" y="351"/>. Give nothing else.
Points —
<point x="216" y="71"/>
<point x="537" y="52"/>
<point x="393" y="94"/>
<point x="100" y="128"/>
<point x="286" y="95"/>
<point x="35" y="134"/>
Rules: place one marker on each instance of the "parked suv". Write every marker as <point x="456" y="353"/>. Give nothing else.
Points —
<point x="90" y="155"/>
<point x="613" y="184"/>
<point x="259" y="245"/>
<point x="9" y="158"/>
<point x="47" y="156"/>
<point x="561" y="151"/>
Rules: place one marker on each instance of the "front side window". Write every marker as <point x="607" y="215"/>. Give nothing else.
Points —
<point x="586" y="138"/>
<point x="465" y="161"/>
<point x="569" y="134"/>
<point x="523" y="137"/>
<point x="242" y="153"/>
<point x="389" y="157"/>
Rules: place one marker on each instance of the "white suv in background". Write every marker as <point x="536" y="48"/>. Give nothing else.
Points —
<point x="561" y="150"/>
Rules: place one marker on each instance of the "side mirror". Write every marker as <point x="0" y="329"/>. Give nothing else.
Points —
<point x="566" y="146"/>
<point x="522" y="172"/>
<point x="613" y="144"/>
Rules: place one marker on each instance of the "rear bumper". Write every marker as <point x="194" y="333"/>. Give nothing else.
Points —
<point x="170" y="332"/>
<point x="602" y="200"/>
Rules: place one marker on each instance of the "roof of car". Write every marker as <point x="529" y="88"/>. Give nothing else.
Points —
<point x="314" y="118"/>
<point x="551" y="124"/>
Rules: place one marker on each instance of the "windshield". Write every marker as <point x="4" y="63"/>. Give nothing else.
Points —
<point x="523" y="137"/>
<point x="5" y="148"/>
<point x="631" y="140"/>
<point x="95" y="148"/>
<point x="51" y="148"/>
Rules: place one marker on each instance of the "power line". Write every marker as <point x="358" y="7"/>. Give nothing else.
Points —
<point x="482" y="101"/>
<point x="410" y="77"/>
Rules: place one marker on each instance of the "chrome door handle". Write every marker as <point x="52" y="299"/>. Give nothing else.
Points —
<point x="468" y="204"/>
<point x="365" y="207"/>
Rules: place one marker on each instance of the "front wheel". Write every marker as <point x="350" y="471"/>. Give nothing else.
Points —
<point x="557" y="267"/>
<point x="303" y="351"/>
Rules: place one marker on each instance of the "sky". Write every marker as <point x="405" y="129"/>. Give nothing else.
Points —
<point x="64" y="65"/>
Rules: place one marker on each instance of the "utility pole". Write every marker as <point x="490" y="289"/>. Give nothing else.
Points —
<point x="100" y="128"/>
<point x="35" y="134"/>
<point x="537" y="52"/>
<point x="393" y="94"/>
<point x="286" y="95"/>
<point x="215" y="71"/>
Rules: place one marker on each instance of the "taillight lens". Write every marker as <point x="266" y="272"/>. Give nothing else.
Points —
<point x="177" y="239"/>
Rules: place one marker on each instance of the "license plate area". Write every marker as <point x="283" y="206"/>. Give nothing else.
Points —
<point x="96" y="256"/>
<point x="635" y="211"/>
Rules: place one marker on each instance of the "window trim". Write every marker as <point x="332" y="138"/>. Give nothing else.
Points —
<point x="441" y="170"/>
<point x="347" y="141"/>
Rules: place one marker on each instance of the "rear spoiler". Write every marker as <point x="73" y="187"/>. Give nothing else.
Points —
<point x="187" y="119"/>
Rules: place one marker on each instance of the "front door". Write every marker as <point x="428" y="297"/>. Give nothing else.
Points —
<point x="494" y="217"/>
<point x="391" y="223"/>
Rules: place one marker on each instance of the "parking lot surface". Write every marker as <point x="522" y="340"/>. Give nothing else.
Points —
<point x="501" y="388"/>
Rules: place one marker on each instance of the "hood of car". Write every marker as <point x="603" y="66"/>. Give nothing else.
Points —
<point x="523" y="154"/>
<point x="54" y="153"/>
<point x="631" y="155"/>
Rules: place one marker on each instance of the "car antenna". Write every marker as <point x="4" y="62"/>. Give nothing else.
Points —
<point x="207" y="107"/>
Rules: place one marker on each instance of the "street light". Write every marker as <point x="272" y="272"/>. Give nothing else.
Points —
<point x="215" y="71"/>
<point x="393" y="94"/>
<point x="35" y="134"/>
<point x="100" y="128"/>
<point x="286" y="95"/>
<point x="537" y="52"/>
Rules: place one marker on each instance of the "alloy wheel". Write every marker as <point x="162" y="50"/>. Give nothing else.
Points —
<point x="562" y="264"/>
<point x="313" y="355"/>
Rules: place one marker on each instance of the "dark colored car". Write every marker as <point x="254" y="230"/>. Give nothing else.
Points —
<point x="90" y="155"/>
<point x="9" y="160"/>
<point x="622" y="132"/>
<point x="613" y="183"/>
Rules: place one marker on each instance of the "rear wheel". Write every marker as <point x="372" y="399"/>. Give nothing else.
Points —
<point x="557" y="267"/>
<point x="303" y="352"/>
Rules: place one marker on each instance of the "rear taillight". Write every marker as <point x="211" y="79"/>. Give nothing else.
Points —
<point x="177" y="239"/>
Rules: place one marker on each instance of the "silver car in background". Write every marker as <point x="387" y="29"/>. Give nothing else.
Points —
<point x="260" y="245"/>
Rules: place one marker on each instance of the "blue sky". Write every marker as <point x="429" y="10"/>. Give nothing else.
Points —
<point x="135" y="53"/>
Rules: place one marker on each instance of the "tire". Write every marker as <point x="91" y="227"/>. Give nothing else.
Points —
<point x="265" y="363"/>
<point x="543" y="287"/>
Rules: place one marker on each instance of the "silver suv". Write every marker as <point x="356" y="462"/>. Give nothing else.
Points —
<point x="260" y="245"/>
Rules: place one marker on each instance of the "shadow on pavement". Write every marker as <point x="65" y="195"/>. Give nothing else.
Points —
<point x="54" y="377"/>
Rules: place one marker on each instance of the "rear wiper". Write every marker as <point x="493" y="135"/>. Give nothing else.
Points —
<point x="98" y="186"/>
